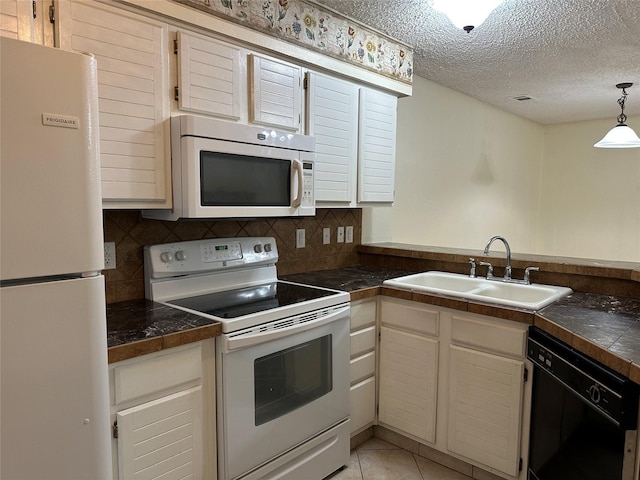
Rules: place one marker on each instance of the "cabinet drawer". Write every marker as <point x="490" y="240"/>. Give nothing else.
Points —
<point x="363" y="313"/>
<point x="410" y="317"/>
<point x="363" y="340"/>
<point x="158" y="373"/>
<point x="363" y="366"/>
<point x="490" y="336"/>
<point x="363" y="404"/>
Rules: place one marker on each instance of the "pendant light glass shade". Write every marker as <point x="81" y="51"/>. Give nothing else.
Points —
<point x="620" y="136"/>
<point x="466" y="14"/>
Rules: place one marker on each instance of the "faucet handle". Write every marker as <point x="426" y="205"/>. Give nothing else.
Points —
<point x="527" y="273"/>
<point x="472" y="272"/>
<point x="489" y="269"/>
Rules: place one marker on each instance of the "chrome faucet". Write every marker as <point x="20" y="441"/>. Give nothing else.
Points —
<point x="507" y="268"/>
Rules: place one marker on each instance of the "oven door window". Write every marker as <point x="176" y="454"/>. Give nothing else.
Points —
<point x="239" y="180"/>
<point x="288" y="379"/>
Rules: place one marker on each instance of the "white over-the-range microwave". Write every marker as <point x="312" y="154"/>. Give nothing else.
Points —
<point x="227" y="170"/>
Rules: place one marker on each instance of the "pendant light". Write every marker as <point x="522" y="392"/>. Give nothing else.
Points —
<point x="620" y="136"/>
<point x="466" y="14"/>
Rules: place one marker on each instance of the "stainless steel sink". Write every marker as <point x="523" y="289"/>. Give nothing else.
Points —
<point x="530" y="297"/>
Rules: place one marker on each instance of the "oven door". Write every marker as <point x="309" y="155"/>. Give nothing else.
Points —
<point x="279" y="387"/>
<point x="230" y="179"/>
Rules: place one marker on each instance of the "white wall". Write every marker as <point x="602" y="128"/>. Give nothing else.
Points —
<point x="467" y="171"/>
<point x="590" y="196"/>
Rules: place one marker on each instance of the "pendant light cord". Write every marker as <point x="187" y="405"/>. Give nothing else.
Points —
<point x="622" y="118"/>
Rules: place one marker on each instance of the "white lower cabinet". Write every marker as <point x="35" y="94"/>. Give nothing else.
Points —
<point x="163" y="414"/>
<point x="162" y="437"/>
<point x="363" y="364"/>
<point x="485" y="408"/>
<point x="455" y="381"/>
<point x="409" y="349"/>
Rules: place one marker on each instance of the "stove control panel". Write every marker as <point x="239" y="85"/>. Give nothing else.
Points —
<point x="210" y="255"/>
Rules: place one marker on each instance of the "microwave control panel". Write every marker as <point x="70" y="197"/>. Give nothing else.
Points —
<point x="307" y="184"/>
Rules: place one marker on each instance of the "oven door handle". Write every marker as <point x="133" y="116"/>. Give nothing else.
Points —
<point x="283" y="328"/>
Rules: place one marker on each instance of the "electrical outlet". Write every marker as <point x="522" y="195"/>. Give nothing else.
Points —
<point x="348" y="232"/>
<point x="340" y="235"/>
<point x="109" y="255"/>
<point x="326" y="236"/>
<point x="300" y="238"/>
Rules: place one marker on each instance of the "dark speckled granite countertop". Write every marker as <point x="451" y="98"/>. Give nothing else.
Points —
<point x="138" y="327"/>
<point x="605" y="327"/>
<point x="348" y="279"/>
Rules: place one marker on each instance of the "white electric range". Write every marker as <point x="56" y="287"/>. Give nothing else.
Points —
<point x="282" y="361"/>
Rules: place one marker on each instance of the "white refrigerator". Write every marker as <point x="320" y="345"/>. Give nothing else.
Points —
<point x="54" y="393"/>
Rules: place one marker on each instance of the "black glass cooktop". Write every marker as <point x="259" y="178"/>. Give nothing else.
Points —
<point x="245" y="301"/>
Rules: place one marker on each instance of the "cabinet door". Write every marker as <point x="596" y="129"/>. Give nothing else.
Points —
<point x="23" y="20"/>
<point x="408" y="382"/>
<point x="485" y="408"/>
<point x="332" y="109"/>
<point x="162" y="438"/>
<point x="276" y="93"/>
<point x="208" y="76"/>
<point x="132" y="62"/>
<point x="377" y="146"/>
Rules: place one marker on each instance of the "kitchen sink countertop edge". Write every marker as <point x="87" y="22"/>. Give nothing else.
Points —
<point x="604" y="327"/>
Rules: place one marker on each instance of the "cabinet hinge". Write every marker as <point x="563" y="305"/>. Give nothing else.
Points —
<point x="115" y="429"/>
<point x="526" y="374"/>
<point x="175" y="46"/>
<point x="176" y="93"/>
<point x="305" y="82"/>
<point x="520" y="465"/>
<point x="33" y="8"/>
<point x="52" y="14"/>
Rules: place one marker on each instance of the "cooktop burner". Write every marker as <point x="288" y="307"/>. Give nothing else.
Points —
<point x="245" y="301"/>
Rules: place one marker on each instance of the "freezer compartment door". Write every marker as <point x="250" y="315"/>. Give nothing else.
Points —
<point x="50" y="197"/>
<point x="54" y="384"/>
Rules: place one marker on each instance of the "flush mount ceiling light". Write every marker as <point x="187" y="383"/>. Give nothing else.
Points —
<point x="466" y="14"/>
<point x="620" y="136"/>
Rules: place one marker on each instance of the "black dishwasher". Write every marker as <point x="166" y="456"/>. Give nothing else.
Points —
<point x="584" y="416"/>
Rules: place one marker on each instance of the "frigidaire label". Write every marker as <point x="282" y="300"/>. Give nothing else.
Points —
<point x="54" y="120"/>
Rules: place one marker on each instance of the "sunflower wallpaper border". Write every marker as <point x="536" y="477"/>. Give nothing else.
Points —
<point x="306" y="23"/>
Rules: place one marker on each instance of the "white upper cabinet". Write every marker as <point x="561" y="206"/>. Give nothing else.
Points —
<point x="16" y="19"/>
<point x="132" y="54"/>
<point x="276" y="93"/>
<point x="377" y="146"/>
<point x="26" y="20"/>
<point x="209" y="76"/>
<point x="332" y="109"/>
<point x="355" y="132"/>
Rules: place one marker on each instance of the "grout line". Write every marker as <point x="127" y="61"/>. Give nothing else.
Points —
<point x="413" y="455"/>
<point x="360" y="465"/>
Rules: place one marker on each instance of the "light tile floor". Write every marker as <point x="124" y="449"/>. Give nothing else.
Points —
<point x="379" y="460"/>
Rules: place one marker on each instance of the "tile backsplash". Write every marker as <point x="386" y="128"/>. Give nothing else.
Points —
<point x="131" y="233"/>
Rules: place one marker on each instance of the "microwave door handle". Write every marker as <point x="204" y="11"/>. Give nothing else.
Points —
<point x="296" y="166"/>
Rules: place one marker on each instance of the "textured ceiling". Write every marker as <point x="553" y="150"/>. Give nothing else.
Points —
<point x="567" y="55"/>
